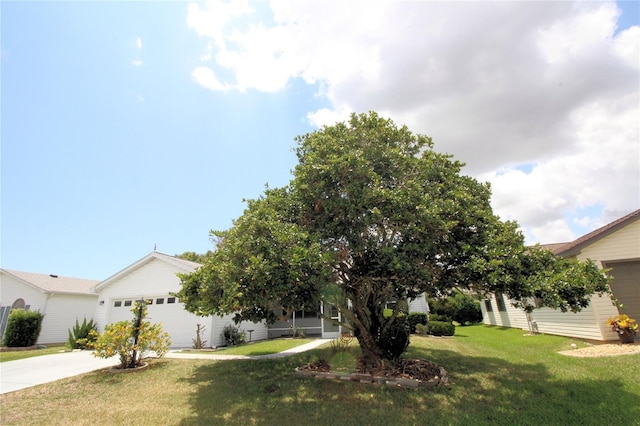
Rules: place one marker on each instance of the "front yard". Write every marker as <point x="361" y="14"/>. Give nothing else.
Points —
<point x="498" y="376"/>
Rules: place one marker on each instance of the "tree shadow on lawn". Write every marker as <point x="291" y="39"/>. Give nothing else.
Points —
<point x="483" y="391"/>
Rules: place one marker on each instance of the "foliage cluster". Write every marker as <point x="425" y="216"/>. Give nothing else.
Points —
<point x="416" y="318"/>
<point x="438" y="317"/>
<point x="394" y="337"/>
<point x="459" y="307"/>
<point x="82" y="336"/>
<point x="422" y="329"/>
<point x="23" y="328"/>
<point x="131" y="340"/>
<point x="340" y="344"/>
<point x="441" y="328"/>
<point x="372" y="216"/>
<point x="298" y="333"/>
<point x="232" y="335"/>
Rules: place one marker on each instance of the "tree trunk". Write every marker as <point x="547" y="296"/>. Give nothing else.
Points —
<point x="366" y="329"/>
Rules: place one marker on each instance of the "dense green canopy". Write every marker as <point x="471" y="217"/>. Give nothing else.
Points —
<point x="374" y="215"/>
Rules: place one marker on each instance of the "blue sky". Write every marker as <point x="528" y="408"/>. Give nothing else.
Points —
<point x="132" y="124"/>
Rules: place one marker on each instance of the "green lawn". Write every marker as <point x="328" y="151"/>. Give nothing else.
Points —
<point x="13" y="355"/>
<point x="264" y="347"/>
<point x="499" y="377"/>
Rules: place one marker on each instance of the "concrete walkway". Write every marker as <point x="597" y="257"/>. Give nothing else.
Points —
<point x="24" y="373"/>
<point x="302" y="348"/>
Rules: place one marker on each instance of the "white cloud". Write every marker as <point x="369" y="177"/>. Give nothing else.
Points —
<point x="497" y="84"/>
<point x="207" y="78"/>
<point x="138" y="42"/>
<point x="137" y="63"/>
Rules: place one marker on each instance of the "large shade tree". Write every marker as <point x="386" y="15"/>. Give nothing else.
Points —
<point x="374" y="215"/>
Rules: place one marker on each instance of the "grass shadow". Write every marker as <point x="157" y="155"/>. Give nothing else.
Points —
<point x="484" y="390"/>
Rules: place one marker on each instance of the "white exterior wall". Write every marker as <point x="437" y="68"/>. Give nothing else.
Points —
<point x="419" y="304"/>
<point x="216" y="339"/>
<point x="590" y="323"/>
<point x="511" y="317"/>
<point x="12" y="289"/>
<point x="156" y="279"/>
<point x="623" y="244"/>
<point x="586" y="324"/>
<point x="60" y="310"/>
<point x="61" y="313"/>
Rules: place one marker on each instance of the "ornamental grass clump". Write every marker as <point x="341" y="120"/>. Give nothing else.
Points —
<point x="622" y="324"/>
<point x="132" y="340"/>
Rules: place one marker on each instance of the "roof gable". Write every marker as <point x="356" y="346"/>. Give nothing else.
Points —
<point x="186" y="265"/>
<point x="54" y="283"/>
<point x="573" y="248"/>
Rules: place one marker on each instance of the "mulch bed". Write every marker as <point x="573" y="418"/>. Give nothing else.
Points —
<point x="405" y="373"/>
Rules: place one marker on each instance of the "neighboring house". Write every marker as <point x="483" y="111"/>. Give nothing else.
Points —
<point x="615" y="246"/>
<point x="62" y="300"/>
<point x="153" y="278"/>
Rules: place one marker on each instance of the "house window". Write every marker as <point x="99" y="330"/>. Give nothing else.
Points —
<point x="501" y="305"/>
<point x="487" y="305"/>
<point x="310" y="313"/>
<point x="149" y="301"/>
<point x="306" y="313"/>
<point x="127" y="303"/>
<point x="171" y="300"/>
<point x="160" y="301"/>
<point x="117" y="303"/>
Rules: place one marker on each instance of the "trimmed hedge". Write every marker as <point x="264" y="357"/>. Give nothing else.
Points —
<point x="422" y="329"/>
<point x="439" y="328"/>
<point x="23" y="328"/>
<point x="416" y="318"/>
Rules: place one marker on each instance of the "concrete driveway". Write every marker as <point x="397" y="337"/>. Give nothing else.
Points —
<point x="24" y="373"/>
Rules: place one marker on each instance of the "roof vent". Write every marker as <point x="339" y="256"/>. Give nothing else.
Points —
<point x="53" y="276"/>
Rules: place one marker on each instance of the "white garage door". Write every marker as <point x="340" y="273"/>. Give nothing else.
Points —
<point x="180" y="324"/>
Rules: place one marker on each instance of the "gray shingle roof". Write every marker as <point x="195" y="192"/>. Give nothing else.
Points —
<point x="54" y="283"/>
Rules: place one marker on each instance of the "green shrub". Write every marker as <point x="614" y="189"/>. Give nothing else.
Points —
<point x="23" y="328"/>
<point x="439" y="328"/>
<point x="394" y="337"/>
<point x="232" y="335"/>
<point x="120" y="339"/>
<point x="80" y="337"/>
<point x="298" y="333"/>
<point x="416" y="318"/>
<point x="460" y="307"/>
<point x="422" y="328"/>
<point x="467" y="309"/>
<point x="438" y="317"/>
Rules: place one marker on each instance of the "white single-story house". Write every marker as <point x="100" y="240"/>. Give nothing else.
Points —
<point x="62" y="300"/>
<point x="615" y="246"/>
<point x="153" y="278"/>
